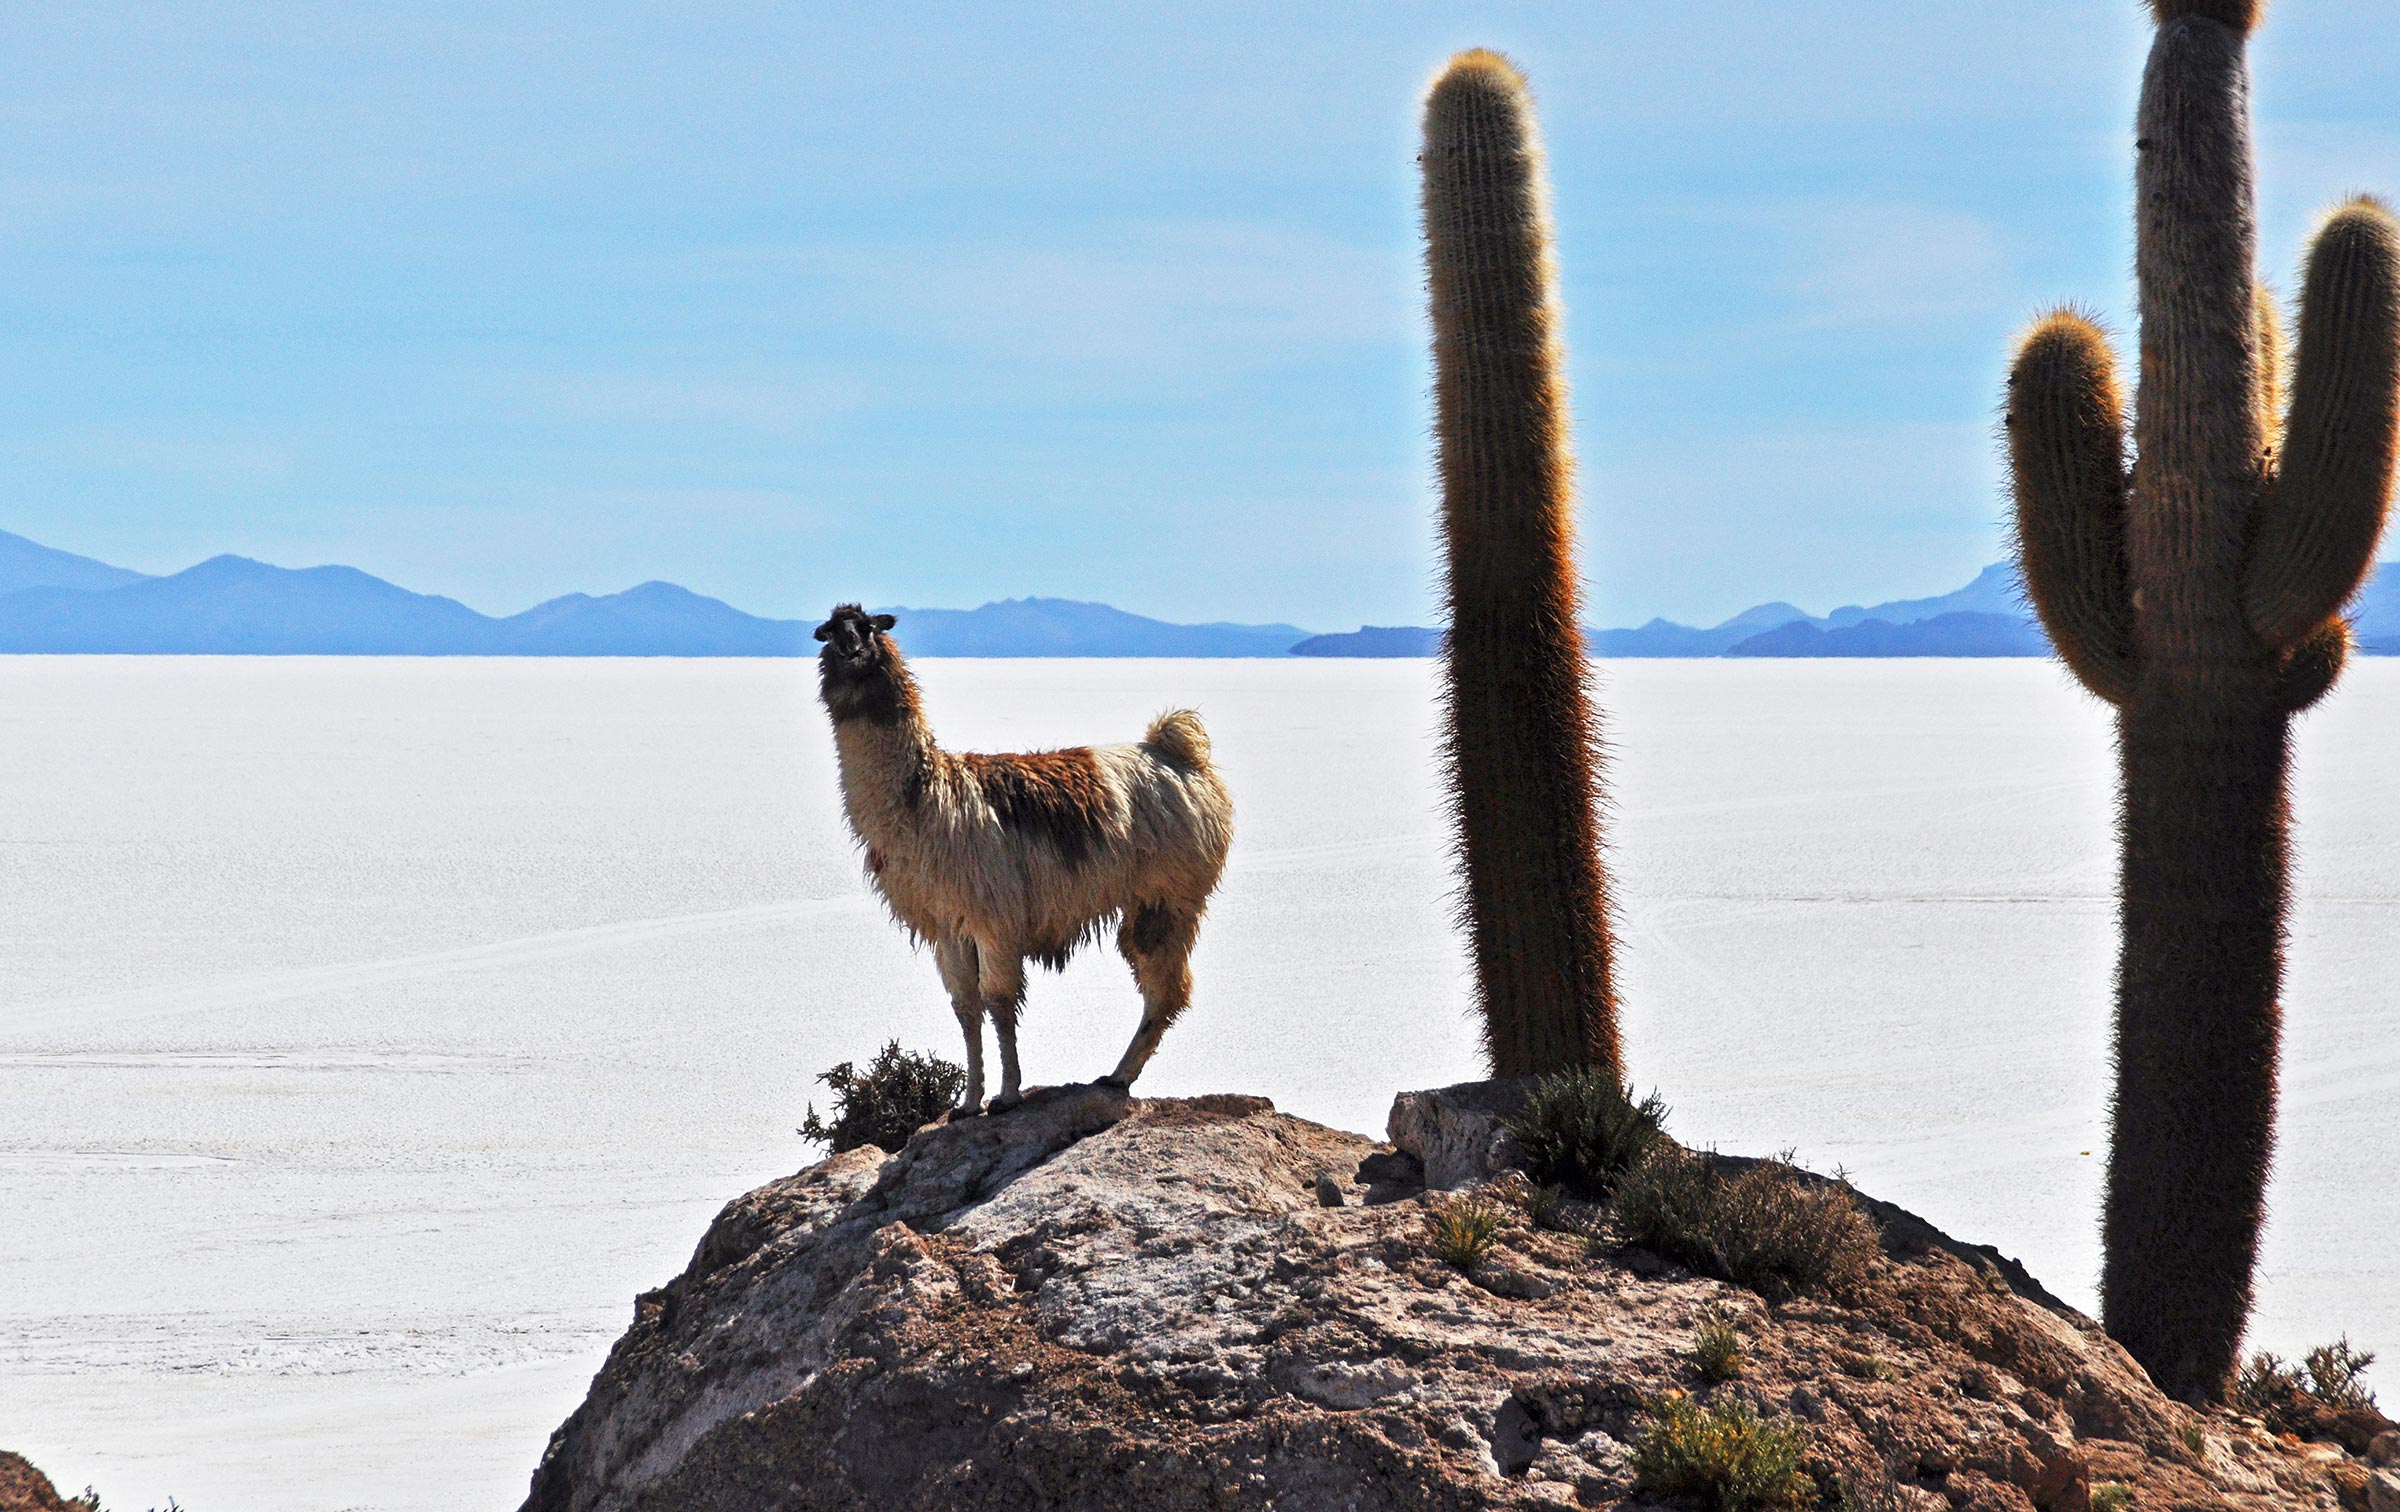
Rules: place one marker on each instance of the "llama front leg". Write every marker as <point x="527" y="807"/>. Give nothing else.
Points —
<point x="1157" y="943"/>
<point x="1004" y="995"/>
<point x="956" y="960"/>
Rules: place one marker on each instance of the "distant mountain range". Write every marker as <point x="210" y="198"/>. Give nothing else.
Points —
<point x="1065" y="627"/>
<point x="26" y="564"/>
<point x="55" y="601"/>
<point x="1986" y="618"/>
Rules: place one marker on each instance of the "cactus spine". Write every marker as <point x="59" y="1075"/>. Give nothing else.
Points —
<point x="2201" y="594"/>
<point x="1522" y="741"/>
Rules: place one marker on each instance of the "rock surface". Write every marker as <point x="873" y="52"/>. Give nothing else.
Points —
<point x="1106" y="1303"/>
<point x="25" y="1489"/>
<point x="1459" y="1134"/>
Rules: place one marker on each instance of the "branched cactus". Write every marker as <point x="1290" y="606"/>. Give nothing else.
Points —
<point x="1522" y="741"/>
<point x="2201" y="593"/>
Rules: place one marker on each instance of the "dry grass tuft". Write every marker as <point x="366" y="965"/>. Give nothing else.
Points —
<point x="1726" y="1456"/>
<point x="1771" y="1228"/>
<point x="1717" y="1348"/>
<point x="1462" y="1231"/>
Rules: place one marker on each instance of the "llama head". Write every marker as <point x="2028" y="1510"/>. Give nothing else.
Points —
<point x="852" y="632"/>
<point x="858" y="673"/>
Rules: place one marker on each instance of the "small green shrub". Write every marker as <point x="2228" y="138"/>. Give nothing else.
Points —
<point x="1867" y="1367"/>
<point x="1780" y="1234"/>
<point x="2195" y="1443"/>
<point x="1461" y="1231"/>
<point x="1768" y="1228"/>
<point x="2290" y="1397"/>
<point x="1717" y="1348"/>
<point x="2111" y="1496"/>
<point x="1669" y="1202"/>
<point x="1727" y="1456"/>
<point x="899" y="1093"/>
<point x="1582" y="1130"/>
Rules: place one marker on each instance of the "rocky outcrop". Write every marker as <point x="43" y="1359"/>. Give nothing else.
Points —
<point x="25" y="1489"/>
<point x="1115" y="1304"/>
<point x="1459" y="1135"/>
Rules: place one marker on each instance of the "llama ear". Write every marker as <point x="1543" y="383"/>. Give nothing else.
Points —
<point x="883" y="622"/>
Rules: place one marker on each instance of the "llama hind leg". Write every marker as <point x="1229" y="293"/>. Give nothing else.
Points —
<point x="1157" y="943"/>
<point x="956" y="959"/>
<point x="1004" y="995"/>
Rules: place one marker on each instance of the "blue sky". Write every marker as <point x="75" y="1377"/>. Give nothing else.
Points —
<point x="932" y="305"/>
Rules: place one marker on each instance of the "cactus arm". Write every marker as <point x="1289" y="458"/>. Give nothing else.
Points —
<point x="2320" y="521"/>
<point x="2066" y="452"/>
<point x="2310" y="668"/>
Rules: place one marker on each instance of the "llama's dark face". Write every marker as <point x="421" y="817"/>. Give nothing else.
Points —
<point x="856" y="670"/>
<point x="852" y="633"/>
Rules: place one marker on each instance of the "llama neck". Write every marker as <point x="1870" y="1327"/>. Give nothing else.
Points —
<point x="886" y="765"/>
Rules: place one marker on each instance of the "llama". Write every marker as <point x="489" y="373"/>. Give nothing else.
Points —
<point x="994" y="860"/>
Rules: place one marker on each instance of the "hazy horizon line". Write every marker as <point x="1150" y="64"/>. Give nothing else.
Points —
<point x="1789" y="600"/>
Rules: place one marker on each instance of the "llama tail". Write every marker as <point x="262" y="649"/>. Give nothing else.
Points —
<point x="1178" y="736"/>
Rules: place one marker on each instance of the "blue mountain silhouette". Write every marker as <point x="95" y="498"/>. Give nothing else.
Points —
<point x="652" y="619"/>
<point x="230" y="605"/>
<point x="1067" y="627"/>
<point x="52" y="601"/>
<point x="1987" y="617"/>
<point x="55" y="601"/>
<point x="29" y="564"/>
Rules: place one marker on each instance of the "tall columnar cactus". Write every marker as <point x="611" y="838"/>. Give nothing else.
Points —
<point x="2201" y="593"/>
<point x="1522" y="740"/>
